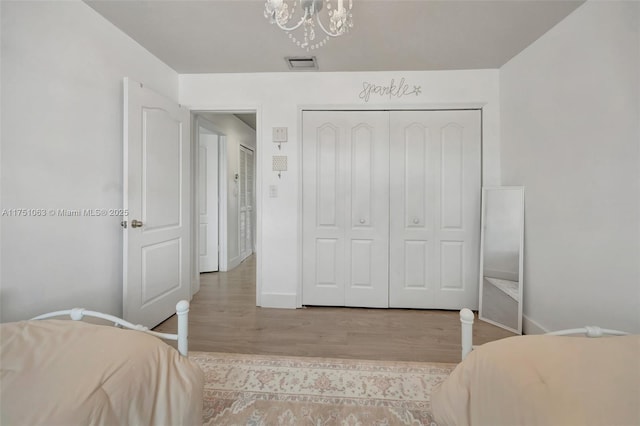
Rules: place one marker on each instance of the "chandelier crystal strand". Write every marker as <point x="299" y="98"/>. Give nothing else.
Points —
<point x="339" y="17"/>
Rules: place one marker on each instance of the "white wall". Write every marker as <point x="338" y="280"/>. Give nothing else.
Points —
<point x="62" y="71"/>
<point x="570" y="111"/>
<point x="236" y="133"/>
<point x="278" y="97"/>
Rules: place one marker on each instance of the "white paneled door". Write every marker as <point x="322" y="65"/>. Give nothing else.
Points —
<point x="208" y="197"/>
<point x="345" y="208"/>
<point x="156" y="194"/>
<point x="435" y="209"/>
<point x="246" y="197"/>
<point x="391" y="208"/>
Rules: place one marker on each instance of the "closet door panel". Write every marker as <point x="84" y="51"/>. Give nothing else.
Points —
<point x="345" y="201"/>
<point x="323" y="213"/>
<point x="414" y="168"/>
<point x="451" y="176"/>
<point x="413" y="165"/>
<point x="458" y="217"/>
<point x="368" y="200"/>
<point x="452" y="265"/>
<point x="326" y="178"/>
<point x="416" y="264"/>
<point x="327" y="259"/>
<point x="434" y="208"/>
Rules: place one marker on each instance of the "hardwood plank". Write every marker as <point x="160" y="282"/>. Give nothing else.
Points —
<point x="224" y="318"/>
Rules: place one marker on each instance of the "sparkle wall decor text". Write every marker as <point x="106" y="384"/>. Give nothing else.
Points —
<point x="391" y="90"/>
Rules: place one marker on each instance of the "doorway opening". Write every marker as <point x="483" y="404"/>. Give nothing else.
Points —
<point x="224" y="180"/>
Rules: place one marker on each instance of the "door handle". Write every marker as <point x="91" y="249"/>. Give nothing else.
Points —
<point x="136" y="223"/>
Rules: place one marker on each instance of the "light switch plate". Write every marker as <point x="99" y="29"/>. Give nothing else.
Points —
<point x="280" y="134"/>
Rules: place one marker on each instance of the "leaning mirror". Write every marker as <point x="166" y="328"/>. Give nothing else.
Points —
<point x="501" y="250"/>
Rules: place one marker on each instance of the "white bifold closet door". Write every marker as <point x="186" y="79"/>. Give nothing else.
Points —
<point x="435" y="209"/>
<point x="391" y="208"/>
<point x="346" y="208"/>
<point x="245" y="201"/>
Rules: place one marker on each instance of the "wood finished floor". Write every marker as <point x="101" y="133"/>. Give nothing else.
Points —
<point x="224" y="318"/>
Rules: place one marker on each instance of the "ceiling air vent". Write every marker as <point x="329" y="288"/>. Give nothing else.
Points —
<point x="302" y="63"/>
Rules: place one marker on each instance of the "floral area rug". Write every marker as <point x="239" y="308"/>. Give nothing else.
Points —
<point x="271" y="390"/>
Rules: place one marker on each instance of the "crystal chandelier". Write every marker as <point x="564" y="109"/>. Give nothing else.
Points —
<point x="282" y="12"/>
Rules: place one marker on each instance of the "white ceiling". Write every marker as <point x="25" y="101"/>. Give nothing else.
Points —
<point x="210" y="36"/>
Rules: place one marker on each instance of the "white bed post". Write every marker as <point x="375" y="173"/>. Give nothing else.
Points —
<point x="466" y="323"/>
<point x="182" y="309"/>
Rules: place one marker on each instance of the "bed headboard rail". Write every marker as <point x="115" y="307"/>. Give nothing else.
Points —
<point x="466" y="325"/>
<point x="182" y="310"/>
<point x="589" y="331"/>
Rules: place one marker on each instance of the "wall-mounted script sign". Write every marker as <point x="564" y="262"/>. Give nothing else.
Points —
<point x="392" y="90"/>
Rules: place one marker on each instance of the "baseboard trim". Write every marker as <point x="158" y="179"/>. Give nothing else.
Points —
<point x="529" y="326"/>
<point x="278" y="300"/>
<point x="233" y="263"/>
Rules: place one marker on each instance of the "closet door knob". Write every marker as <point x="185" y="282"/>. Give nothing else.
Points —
<point x="416" y="221"/>
<point x="362" y="221"/>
